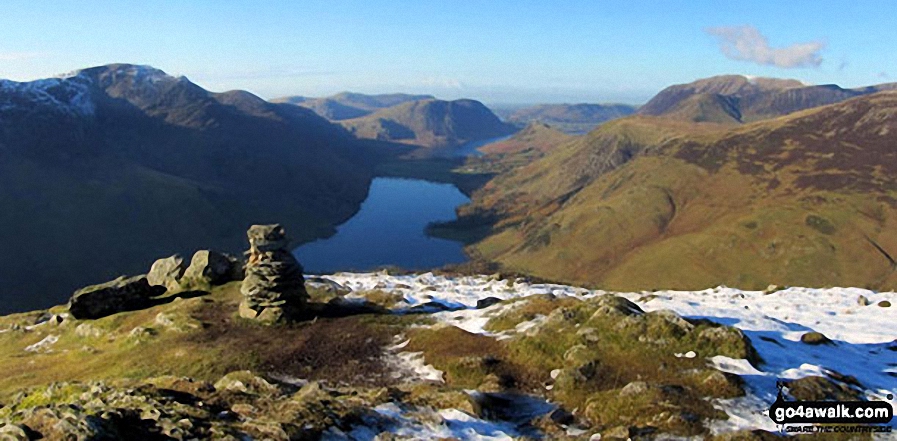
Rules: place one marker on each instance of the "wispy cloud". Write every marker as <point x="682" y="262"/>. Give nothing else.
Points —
<point x="20" y="56"/>
<point x="746" y="43"/>
<point x="883" y="75"/>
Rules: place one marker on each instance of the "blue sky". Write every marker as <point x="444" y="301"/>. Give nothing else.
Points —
<point x="496" y="51"/>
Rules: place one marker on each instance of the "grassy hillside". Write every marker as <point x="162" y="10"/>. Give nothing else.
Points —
<point x="807" y="199"/>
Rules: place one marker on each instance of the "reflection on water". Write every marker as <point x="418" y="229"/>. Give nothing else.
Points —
<point x="389" y="230"/>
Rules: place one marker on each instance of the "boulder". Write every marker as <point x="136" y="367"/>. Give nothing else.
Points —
<point x="210" y="267"/>
<point x="273" y="287"/>
<point x="121" y="294"/>
<point x="487" y="302"/>
<point x="815" y="338"/>
<point x="167" y="272"/>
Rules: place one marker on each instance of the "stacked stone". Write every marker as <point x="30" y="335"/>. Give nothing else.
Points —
<point x="274" y="288"/>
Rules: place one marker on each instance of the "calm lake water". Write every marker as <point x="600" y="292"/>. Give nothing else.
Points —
<point x="389" y="230"/>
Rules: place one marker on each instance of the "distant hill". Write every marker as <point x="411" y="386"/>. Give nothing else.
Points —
<point x="807" y="199"/>
<point x="570" y="118"/>
<point x="348" y="105"/>
<point x="740" y="99"/>
<point x="526" y="146"/>
<point x="430" y="123"/>
<point x="108" y="168"/>
<point x="535" y="136"/>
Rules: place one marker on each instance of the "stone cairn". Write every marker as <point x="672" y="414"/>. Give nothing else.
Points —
<point x="273" y="289"/>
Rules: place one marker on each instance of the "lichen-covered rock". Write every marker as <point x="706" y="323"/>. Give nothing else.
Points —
<point x="818" y="388"/>
<point x="273" y="288"/>
<point x="13" y="432"/>
<point x="326" y="289"/>
<point x="245" y="382"/>
<point x="209" y="267"/>
<point x="167" y="272"/>
<point x="121" y="294"/>
<point x="616" y="306"/>
<point x="815" y="338"/>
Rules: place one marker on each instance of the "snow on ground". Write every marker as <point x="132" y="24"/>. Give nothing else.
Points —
<point x="410" y="366"/>
<point x="425" y="424"/>
<point x="864" y="344"/>
<point x="70" y="95"/>
<point x="43" y="345"/>
<point x="863" y="339"/>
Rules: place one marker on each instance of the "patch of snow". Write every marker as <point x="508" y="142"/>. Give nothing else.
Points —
<point x="413" y="423"/>
<point x="775" y="322"/>
<point x="43" y="345"/>
<point x="68" y="95"/>
<point x="862" y="335"/>
<point x="410" y="366"/>
<point x="529" y="327"/>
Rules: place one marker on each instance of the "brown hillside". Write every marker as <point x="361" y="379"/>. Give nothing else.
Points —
<point x="642" y="203"/>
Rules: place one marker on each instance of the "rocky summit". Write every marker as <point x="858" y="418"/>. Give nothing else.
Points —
<point x="377" y="356"/>
<point x="274" y="288"/>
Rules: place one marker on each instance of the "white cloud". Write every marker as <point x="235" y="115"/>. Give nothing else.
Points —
<point x="746" y="43"/>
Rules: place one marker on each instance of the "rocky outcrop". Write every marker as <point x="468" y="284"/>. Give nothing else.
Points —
<point x="167" y="272"/>
<point x="121" y="294"/>
<point x="273" y="288"/>
<point x="211" y="268"/>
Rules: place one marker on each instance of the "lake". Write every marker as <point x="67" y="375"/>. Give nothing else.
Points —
<point x="389" y="230"/>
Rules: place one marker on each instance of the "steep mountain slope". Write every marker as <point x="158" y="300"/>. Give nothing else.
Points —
<point x="348" y="105"/>
<point x="430" y="123"/>
<point x="641" y="203"/>
<point x="737" y="99"/>
<point x="111" y="167"/>
<point x="570" y="118"/>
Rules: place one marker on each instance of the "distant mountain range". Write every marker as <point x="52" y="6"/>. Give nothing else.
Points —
<point x="348" y="105"/>
<point x="110" y="167"/>
<point x="574" y="119"/>
<point x="430" y="123"/>
<point x="734" y="99"/>
<point x="419" y="120"/>
<point x="645" y="202"/>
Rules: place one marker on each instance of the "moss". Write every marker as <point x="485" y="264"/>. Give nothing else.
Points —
<point x="472" y="361"/>
<point x="816" y="388"/>
<point x="669" y="409"/>
<point x="386" y="299"/>
<point x="525" y="310"/>
<point x="54" y="394"/>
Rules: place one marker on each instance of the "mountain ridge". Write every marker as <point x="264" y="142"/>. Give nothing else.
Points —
<point x="740" y="99"/>
<point x="430" y="123"/>
<point x="815" y="187"/>
<point x="348" y="105"/>
<point x="125" y="154"/>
